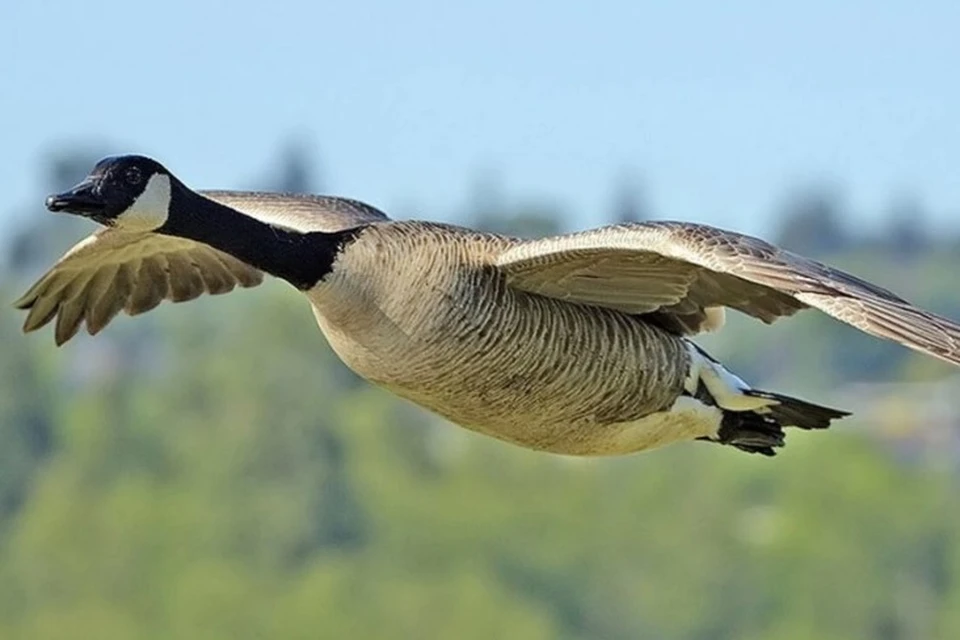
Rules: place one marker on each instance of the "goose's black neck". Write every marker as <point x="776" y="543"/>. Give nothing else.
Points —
<point x="302" y="259"/>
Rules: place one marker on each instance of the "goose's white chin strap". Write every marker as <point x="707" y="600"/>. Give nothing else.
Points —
<point x="151" y="208"/>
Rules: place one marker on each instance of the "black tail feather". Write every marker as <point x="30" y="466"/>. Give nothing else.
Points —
<point x="761" y="431"/>
<point x="791" y="412"/>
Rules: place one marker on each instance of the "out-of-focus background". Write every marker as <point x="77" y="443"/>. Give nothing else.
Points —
<point x="211" y="470"/>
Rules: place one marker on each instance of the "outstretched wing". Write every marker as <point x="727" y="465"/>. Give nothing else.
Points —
<point x="114" y="270"/>
<point x="684" y="274"/>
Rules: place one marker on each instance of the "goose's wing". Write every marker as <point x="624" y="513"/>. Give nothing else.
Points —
<point x="684" y="274"/>
<point x="113" y="270"/>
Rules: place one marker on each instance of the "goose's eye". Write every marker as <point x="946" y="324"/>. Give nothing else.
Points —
<point x="133" y="176"/>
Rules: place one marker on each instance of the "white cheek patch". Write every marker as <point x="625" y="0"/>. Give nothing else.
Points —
<point x="150" y="210"/>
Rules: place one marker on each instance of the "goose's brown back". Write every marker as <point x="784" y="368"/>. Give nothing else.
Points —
<point x="420" y="309"/>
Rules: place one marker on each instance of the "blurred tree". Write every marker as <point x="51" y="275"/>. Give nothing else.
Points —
<point x="489" y="211"/>
<point x="811" y="222"/>
<point x="629" y="204"/>
<point x="531" y="221"/>
<point x="906" y="236"/>
<point x="27" y="419"/>
<point x="486" y="194"/>
<point x="297" y="170"/>
<point x="27" y="407"/>
<point x="43" y="238"/>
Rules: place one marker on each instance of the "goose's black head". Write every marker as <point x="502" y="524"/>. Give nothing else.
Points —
<point x="131" y="192"/>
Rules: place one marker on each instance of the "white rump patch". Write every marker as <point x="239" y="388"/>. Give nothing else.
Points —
<point x="725" y="388"/>
<point x="150" y="210"/>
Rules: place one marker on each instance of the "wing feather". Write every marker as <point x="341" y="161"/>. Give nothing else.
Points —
<point x="113" y="270"/>
<point x="678" y="274"/>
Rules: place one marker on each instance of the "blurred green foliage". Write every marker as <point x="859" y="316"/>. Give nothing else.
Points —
<point x="210" y="470"/>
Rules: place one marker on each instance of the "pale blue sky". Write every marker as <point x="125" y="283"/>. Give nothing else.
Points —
<point x="719" y="106"/>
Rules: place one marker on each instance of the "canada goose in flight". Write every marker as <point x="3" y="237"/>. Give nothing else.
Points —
<point x="574" y="344"/>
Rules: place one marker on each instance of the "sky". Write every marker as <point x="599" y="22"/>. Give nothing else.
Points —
<point x="716" y="109"/>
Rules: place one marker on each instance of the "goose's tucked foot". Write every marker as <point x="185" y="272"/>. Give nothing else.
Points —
<point x="753" y="420"/>
<point x="750" y="432"/>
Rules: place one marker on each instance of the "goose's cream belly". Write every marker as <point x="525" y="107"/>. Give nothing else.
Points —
<point x="552" y="376"/>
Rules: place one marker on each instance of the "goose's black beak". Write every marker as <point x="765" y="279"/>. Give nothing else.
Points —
<point x="83" y="199"/>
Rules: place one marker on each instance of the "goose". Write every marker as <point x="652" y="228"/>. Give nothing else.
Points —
<point x="576" y="344"/>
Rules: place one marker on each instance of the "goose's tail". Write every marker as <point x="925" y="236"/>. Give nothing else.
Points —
<point x="761" y="430"/>
<point x="753" y="420"/>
